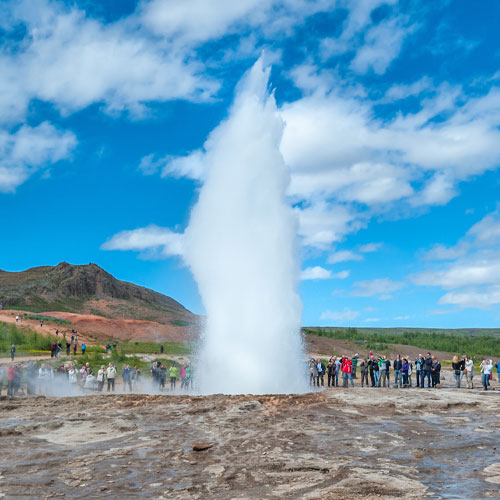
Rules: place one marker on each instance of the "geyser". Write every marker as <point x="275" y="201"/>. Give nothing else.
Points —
<point x="241" y="248"/>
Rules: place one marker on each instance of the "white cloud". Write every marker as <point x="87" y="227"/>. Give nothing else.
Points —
<point x="471" y="277"/>
<point x="315" y="273"/>
<point x="345" y="315"/>
<point x="343" y="256"/>
<point x="29" y="149"/>
<point x="151" y="241"/>
<point x="370" y="247"/>
<point x="341" y="275"/>
<point x="371" y="320"/>
<point x="382" y="287"/>
<point x="382" y="45"/>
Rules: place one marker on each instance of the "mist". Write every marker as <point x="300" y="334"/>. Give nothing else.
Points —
<point x="241" y="246"/>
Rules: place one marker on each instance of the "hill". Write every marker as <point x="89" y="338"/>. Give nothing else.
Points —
<point x="88" y="290"/>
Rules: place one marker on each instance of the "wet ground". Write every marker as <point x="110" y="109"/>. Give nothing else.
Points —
<point x="335" y="444"/>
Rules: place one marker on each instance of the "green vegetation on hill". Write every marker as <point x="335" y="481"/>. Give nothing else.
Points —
<point x="485" y="345"/>
<point x="26" y="341"/>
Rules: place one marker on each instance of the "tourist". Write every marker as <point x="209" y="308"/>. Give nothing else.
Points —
<point x="486" y="369"/>
<point x="330" y="369"/>
<point x="457" y="371"/>
<point x="83" y="375"/>
<point x="126" y="375"/>
<point x="337" y="370"/>
<point x="469" y="372"/>
<point x="354" y="360"/>
<point x="161" y="349"/>
<point x="376" y="372"/>
<point x="75" y="345"/>
<point x="110" y="375"/>
<point x="11" y="379"/>
<point x="347" y="371"/>
<point x="163" y="376"/>
<point x="45" y="375"/>
<point x="397" y="371"/>
<point x="84" y="348"/>
<point x="435" y="372"/>
<point x="405" y="366"/>
<point x="313" y="372"/>
<point x="173" y="372"/>
<point x="12" y="352"/>
<point x="364" y="372"/>
<point x="68" y="347"/>
<point x="426" y="370"/>
<point x="371" y="368"/>
<point x="321" y="373"/>
<point x="101" y="375"/>
<point x="136" y="378"/>
<point x="385" y="367"/>
<point x="498" y="371"/>
<point x="183" y="376"/>
<point x="2" y="375"/>
<point x="419" y="363"/>
<point x="72" y="375"/>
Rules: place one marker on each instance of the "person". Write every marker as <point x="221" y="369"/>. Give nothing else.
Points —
<point x="17" y="318"/>
<point x="163" y="376"/>
<point x="397" y="364"/>
<point x="68" y="347"/>
<point x="126" y="378"/>
<point x="347" y="369"/>
<point x="486" y="368"/>
<point x="364" y="372"/>
<point x="321" y="373"/>
<point x="161" y="349"/>
<point x="385" y="366"/>
<point x="376" y="372"/>
<point x="110" y="375"/>
<point x="404" y="370"/>
<point x="2" y="375"/>
<point x="183" y="376"/>
<point x="101" y="375"/>
<point x="435" y="371"/>
<point x="12" y="352"/>
<point x="371" y="369"/>
<point x="84" y="348"/>
<point x="469" y="372"/>
<point x="498" y="371"/>
<point x="354" y="360"/>
<point x="75" y="345"/>
<point x="83" y="375"/>
<point x="31" y="378"/>
<point x="189" y="375"/>
<point x="419" y="363"/>
<point x="337" y="370"/>
<point x="456" y="366"/>
<point x="426" y="370"/>
<point x="331" y="372"/>
<point x="11" y="379"/>
<point x="313" y="372"/>
<point x="72" y="375"/>
<point x="173" y="372"/>
<point x="57" y="333"/>
<point x="44" y="376"/>
<point x="136" y="378"/>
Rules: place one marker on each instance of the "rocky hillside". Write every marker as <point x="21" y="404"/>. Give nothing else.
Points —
<point x="88" y="289"/>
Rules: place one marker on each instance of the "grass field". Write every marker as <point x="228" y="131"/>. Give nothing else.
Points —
<point x="453" y="341"/>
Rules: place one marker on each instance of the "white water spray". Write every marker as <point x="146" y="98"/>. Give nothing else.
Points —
<point x="241" y="247"/>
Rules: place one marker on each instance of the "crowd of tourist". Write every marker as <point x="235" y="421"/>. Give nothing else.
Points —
<point x="376" y="371"/>
<point x="66" y="378"/>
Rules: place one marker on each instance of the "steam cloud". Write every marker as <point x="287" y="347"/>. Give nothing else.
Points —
<point x="241" y="247"/>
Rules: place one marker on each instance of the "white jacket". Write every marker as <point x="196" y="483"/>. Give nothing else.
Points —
<point x="111" y="372"/>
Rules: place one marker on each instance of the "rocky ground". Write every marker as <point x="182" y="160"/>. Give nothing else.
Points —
<point x="335" y="444"/>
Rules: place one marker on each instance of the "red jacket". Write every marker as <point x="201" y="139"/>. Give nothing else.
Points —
<point x="11" y="372"/>
<point x="348" y="366"/>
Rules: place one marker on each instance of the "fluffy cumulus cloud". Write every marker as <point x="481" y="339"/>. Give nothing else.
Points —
<point x="469" y="272"/>
<point x="151" y="241"/>
<point x="28" y="149"/>
<point x="345" y="315"/>
<point x="382" y="288"/>
<point x="320" y="273"/>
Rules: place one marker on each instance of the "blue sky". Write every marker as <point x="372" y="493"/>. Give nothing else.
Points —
<point x="392" y="112"/>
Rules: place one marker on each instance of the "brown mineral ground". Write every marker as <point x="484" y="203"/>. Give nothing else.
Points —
<point x="335" y="444"/>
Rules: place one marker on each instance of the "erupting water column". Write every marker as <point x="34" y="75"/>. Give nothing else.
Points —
<point x="241" y="248"/>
